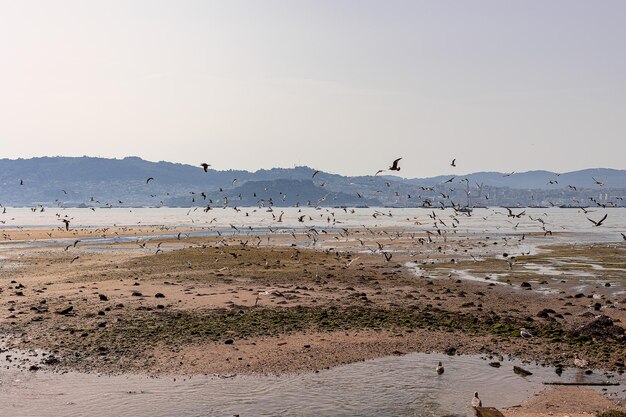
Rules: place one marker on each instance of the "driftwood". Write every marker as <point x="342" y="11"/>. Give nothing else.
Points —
<point x="591" y="384"/>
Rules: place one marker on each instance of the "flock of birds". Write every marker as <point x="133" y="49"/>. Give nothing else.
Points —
<point x="441" y="224"/>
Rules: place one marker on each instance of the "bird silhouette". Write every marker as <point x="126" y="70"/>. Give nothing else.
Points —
<point x="599" y="222"/>
<point x="600" y="183"/>
<point x="453" y="164"/>
<point x="394" y="166"/>
<point x="149" y="179"/>
<point x="205" y="166"/>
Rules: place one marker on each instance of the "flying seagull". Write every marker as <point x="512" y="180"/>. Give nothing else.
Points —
<point x="67" y="224"/>
<point x="600" y="183"/>
<point x="599" y="222"/>
<point x="149" y="179"/>
<point x="314" y="174"/>
<point x="205" y="166"/>
<point x="394" y="166"/>
<point x="453" y="164"/>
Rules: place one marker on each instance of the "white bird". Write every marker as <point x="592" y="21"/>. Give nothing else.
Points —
<point x="476" y="401"/>
<point x="525" y="333"/>
<point x="439" y="368"/>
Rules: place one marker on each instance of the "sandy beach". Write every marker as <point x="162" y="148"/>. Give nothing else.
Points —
<point x="204" y="305"/>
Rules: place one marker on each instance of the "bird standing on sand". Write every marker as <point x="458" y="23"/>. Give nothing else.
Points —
<point x="525" y="333"/>
<point x="439" y="368"/>
<point x="476" y="401"/>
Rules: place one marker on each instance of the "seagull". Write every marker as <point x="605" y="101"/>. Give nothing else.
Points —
<point x="453" y="164"/>
<point x="623" y="236"/>
<point x="525" y="333"/>
<point x="67" y="224"/>
<point x="205" y="166"/>
<point x="314" y="174"/>
<point x="476" y="401"/>
<point x="394" y="166"/>
<point x="439" y="368"/>
<point x="600" y="183"/>
<point x="599" y="222"/>
<point x="149" y="179"/>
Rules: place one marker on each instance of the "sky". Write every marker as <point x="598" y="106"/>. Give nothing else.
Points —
<point x="341" y="86"/>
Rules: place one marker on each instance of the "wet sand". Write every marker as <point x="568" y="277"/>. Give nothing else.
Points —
<point x="240" y="304"/>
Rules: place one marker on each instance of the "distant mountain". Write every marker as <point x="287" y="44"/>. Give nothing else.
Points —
<point x="611" y="178"/>
<point x="74" y="181"/>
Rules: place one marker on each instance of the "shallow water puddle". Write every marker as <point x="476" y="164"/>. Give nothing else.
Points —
<point x="391" y="386"/>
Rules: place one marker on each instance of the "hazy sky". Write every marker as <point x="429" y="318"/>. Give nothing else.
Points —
<point x="343" y="86"/>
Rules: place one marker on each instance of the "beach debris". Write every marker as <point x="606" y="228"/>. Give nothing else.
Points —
<point x="521" y="371"/>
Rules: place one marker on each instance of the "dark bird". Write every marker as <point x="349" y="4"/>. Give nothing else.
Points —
<point x="67" y="224"/>
<point x="599" y="222"/>
<point x="75" y="258"/>
<point x="149" y="179"/>
<point x="623" y="236"/>
<point x="205" y="166"/>
<point x="453" y="164"/>
<point x="439" y="368"/>
<point x="379" y="171"/>
<point x="394" y="166"/>
<point x="600" y="183"/>
<point x="21" y="182"/>
<point x="314" y="174"/>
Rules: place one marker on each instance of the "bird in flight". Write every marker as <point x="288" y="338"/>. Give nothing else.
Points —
<point x="394" y="166"/>
<point x="600" y="183"/>
<point x="67" y="224"/>
<point x="314" y="174"/>
<point x="149" y="179"/>
<point x="205" y="166"/>
<point x="453" y="164"/>
<point x="599" y="222"/>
